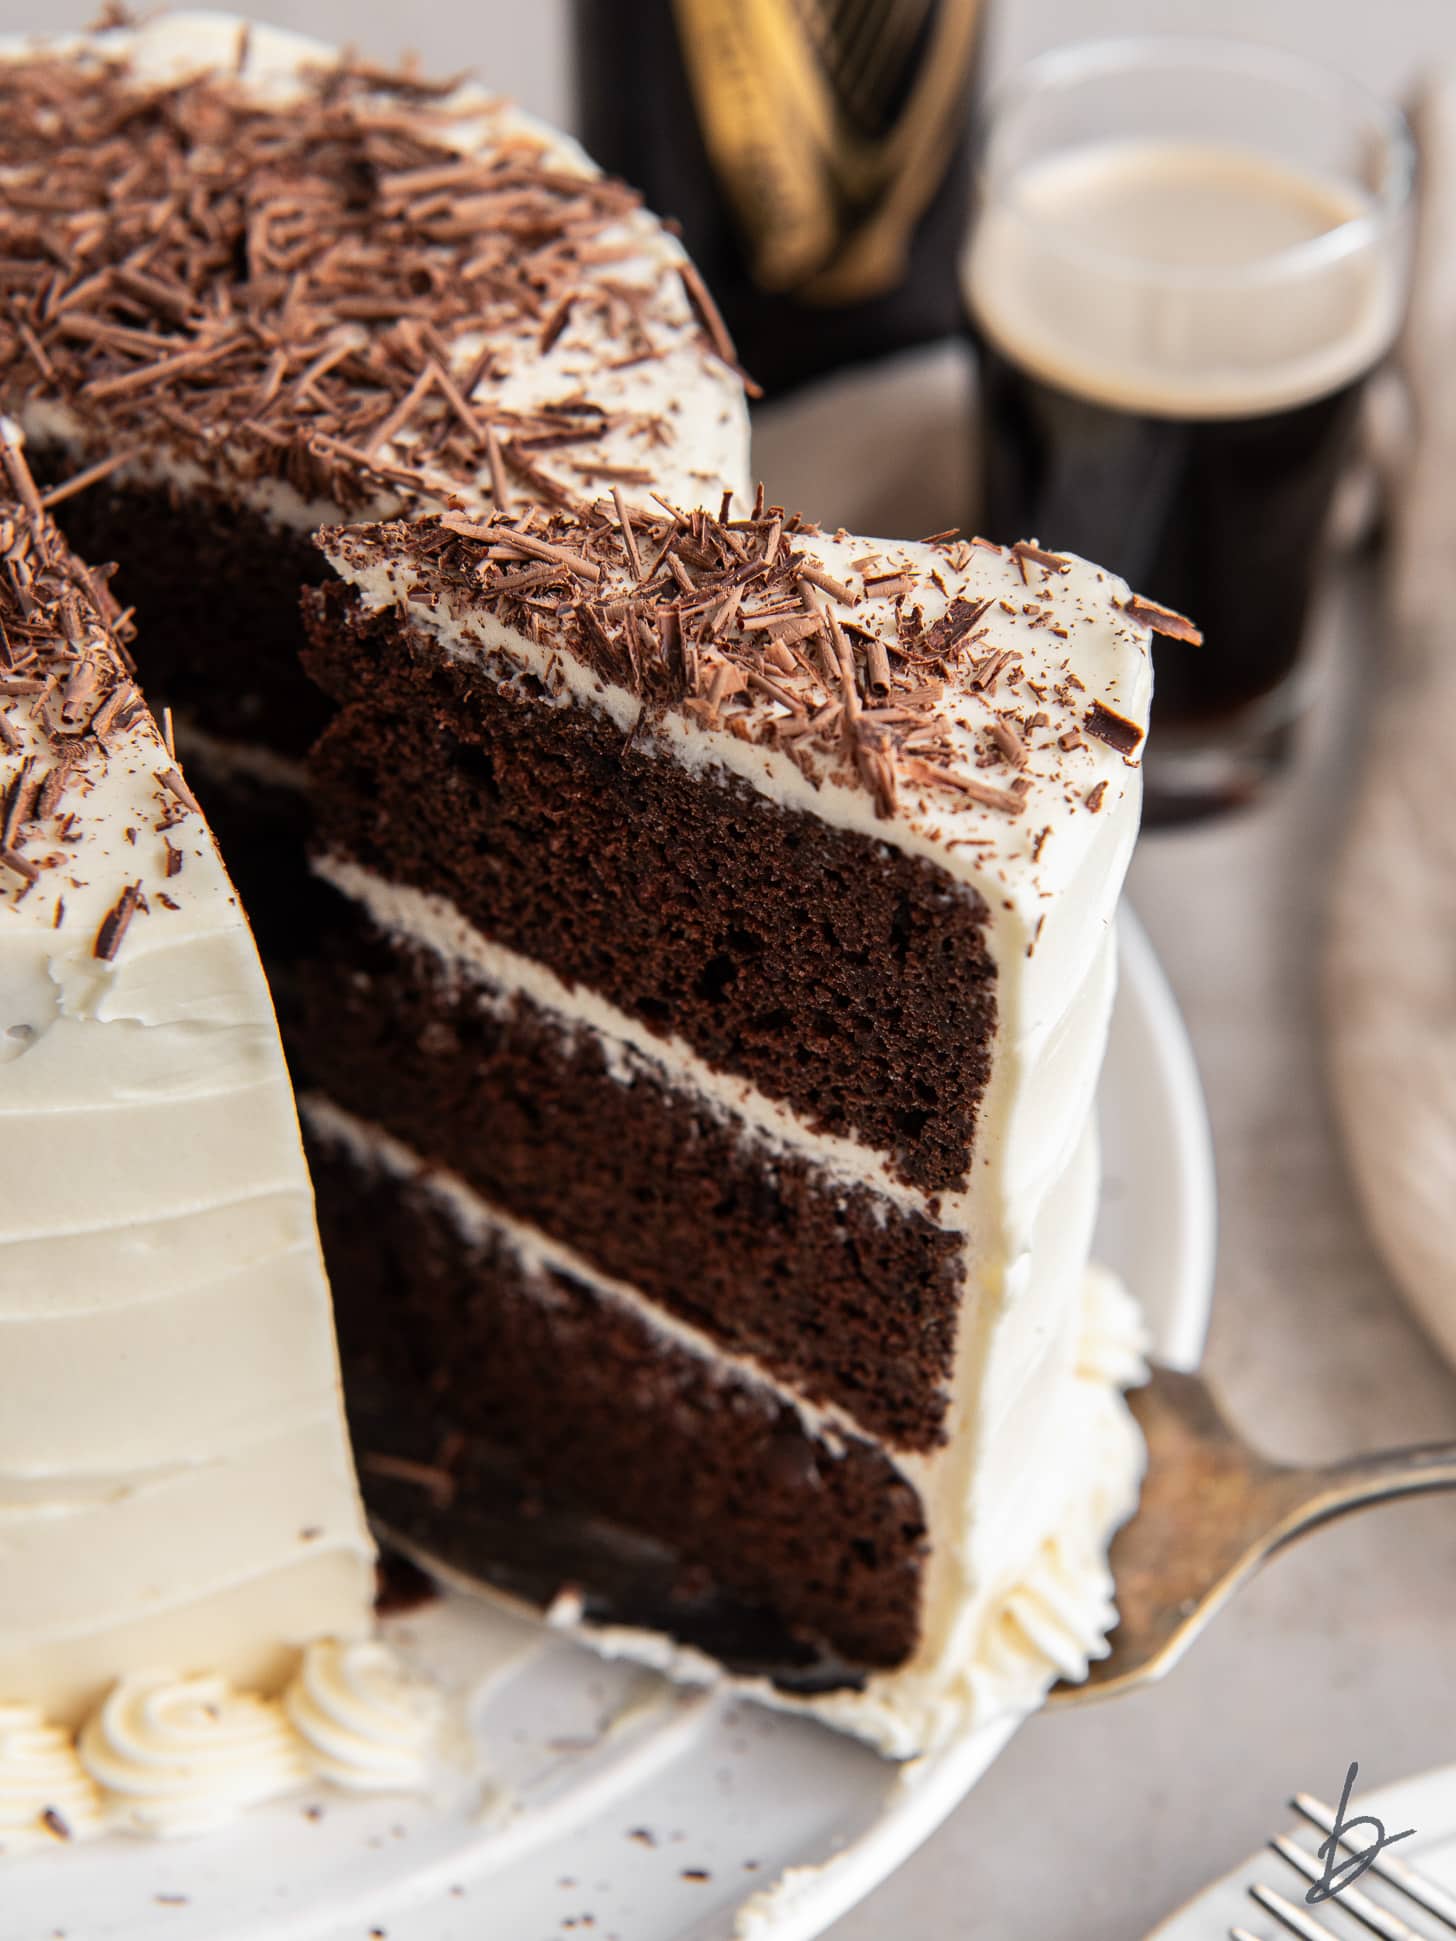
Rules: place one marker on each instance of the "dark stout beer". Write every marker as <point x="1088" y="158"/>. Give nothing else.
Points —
<point x="1148" y="407"/>
<point x="815" y="153"/>
<point x="1221" y="518"/>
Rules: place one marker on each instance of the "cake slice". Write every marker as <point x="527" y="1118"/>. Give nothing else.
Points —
<point x="176" y="1487"/>
<point x="703" y="1066"/>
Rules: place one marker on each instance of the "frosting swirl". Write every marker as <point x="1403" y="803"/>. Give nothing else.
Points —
<point x="183" y="1755"/>
<point x="45" y="1794"/>
<point x="1114" y="1344"/>
<point x="368" y="1722"/>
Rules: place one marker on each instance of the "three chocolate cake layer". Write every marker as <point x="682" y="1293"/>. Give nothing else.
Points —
<point x="694" y="930"/>
<point x="718" y="1013"/>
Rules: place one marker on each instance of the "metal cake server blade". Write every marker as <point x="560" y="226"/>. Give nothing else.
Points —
<point x="1212" y="1511"/>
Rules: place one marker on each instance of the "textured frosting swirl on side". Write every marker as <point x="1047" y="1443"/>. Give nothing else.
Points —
<point x="369" y="1724"/>
<point x="46" y="1795"/>
<point x="182" y="1755"/>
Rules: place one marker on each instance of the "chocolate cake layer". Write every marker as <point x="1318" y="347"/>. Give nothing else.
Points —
<point x="839" y="974"/>
<point x="215" y="586"/>
<point x="829" y="1285"/>
<point x="262" y="830"/>
<point x="454" y="1329"/>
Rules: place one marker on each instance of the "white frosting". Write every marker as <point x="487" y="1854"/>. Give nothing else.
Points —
<point x="167" y="1360"/>
<point x="184" y="1755"/>
<point x="681" y="415"/>
<point x="369" y="1724"/>
<point x="167" y="1755"/>
<point x="46" y="1795"/>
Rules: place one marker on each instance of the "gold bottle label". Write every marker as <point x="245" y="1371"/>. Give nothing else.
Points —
<point x="827" y="145"/>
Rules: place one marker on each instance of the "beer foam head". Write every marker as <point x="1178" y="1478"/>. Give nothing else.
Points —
<point x="1185" y="279"/>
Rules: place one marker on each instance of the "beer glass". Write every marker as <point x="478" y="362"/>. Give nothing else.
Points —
<point x="1187" y="257"/>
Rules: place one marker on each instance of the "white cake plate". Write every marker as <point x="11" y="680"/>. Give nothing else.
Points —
<point x="618" y="1806"/>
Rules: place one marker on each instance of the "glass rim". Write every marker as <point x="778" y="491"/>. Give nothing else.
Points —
<point x="1111" y="55"/>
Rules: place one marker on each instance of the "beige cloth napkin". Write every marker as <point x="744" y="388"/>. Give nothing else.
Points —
<point x="1392" y="958"/>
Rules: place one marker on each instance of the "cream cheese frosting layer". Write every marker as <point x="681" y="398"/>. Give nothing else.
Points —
<point x="1062" y="1084"/>
<point x="167" y="1362"/>
<point x="554" y="311"/>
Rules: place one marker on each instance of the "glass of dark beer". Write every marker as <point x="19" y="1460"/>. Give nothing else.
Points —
<point x="1186" y="259"/>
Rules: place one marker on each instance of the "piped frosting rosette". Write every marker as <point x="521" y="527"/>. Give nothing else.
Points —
<point x="368" y="1724"/>
<point x="46" y="1796"/>
<point x="183" y="1755"/>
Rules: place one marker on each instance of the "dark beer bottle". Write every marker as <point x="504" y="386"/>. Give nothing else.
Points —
<point x="815" y="153"/>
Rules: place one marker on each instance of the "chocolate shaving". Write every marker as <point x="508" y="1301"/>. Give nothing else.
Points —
<point x="92" y="475"/>
<point x="114" y="924"/>
<point x="499" y="484"/>
<point x="172" y="781"/>
<point x="279" y="290"/>
<point x="629" y="538"/>
<point x="951" y="629"/>
<point x="1008" y="800"/>
<point x="1162" y="620"/>
<point x="1115" y="729"/>
<point x="1024" y="549"/>
<point x="711" y="318"/>
<point x="826" y="582"/>
<point x="438" y="1483"/>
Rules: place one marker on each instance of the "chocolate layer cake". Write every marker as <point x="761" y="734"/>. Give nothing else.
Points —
<point x="702" y="968"/>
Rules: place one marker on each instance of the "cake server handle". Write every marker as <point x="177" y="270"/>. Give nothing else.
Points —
<point x="1213" y="1509"/>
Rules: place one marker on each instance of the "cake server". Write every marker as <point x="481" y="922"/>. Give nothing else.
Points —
<point x="1213" y="1510"/>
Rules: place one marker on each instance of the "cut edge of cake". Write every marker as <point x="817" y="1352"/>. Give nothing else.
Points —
<point x="1029" y="802"/>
